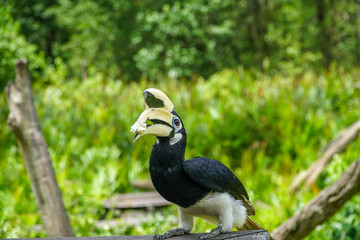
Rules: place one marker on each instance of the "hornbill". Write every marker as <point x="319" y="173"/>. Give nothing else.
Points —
<point x="201" y="187"/>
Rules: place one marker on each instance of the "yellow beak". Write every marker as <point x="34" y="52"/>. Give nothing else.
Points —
<point x="162" y="127"/>
<point x="158" y="108"/>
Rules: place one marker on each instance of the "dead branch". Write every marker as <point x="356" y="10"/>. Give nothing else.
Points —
<point x="25" y="125"/>
<point x="310" y="175"/>
<point x="322" y="207"/>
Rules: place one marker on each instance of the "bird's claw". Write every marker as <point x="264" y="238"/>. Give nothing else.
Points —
<point x="215" y="232"/>
<point x="171" y="233"/>
<point x="203" y="237"/>
<point x="157" y="237"/>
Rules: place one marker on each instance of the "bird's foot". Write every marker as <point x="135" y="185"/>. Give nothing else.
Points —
<point x="215" y="232"/>
<point x="171" y="233"/>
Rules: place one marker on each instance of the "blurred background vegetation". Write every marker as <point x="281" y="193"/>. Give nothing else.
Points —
<point x="262" y="86"/>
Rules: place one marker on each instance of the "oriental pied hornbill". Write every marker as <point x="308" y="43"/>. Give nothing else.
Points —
<point x="200" y="187"/>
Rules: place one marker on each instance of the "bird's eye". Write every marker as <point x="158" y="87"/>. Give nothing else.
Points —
<point x="177" y="122"/>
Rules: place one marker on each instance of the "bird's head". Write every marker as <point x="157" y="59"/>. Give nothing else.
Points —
<point x="159" y="110"/>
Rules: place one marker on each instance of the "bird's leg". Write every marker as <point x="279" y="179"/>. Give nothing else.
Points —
<point x="215" y="232"/>
<point x="171" y="233"/>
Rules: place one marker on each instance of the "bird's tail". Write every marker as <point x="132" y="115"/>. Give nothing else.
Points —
<point x="252" y="225"/>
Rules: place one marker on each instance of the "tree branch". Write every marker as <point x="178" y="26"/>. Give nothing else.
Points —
<point x="338" y="145"/>
<point x="322" y="207"/>
<point x="25" y="125"/>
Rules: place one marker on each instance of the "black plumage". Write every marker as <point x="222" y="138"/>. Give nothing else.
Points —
<point x="186" y="182"/>
<point x="200" y="186"/>
<point x="168" y="175"/>
<point x="215" y="176"/>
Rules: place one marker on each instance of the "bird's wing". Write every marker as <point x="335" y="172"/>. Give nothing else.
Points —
<point x="215" y="176"/>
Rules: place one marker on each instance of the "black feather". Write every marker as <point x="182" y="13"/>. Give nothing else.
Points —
<point x="214" y="176"/>
<point x="187" y="182"/>
<point x="168" y="176"/>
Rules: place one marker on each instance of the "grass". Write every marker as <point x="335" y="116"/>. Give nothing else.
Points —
<point x="265" y="128"/>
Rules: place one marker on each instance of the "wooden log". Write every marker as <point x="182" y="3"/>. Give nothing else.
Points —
<point x="322" y="207"/>
<point x="136" y="200"/>
<point x="142" y="184"/>
<point x="240" y="235"/>
<point x="129" y="218"/>
<point x="24" y="123"/>
<point x="310" y="175"/>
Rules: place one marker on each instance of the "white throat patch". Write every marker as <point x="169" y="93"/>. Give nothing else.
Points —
<point x="176" y="138"/>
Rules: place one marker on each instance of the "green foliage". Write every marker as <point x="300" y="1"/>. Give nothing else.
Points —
<point x="93" y="36"/>
<point x="269" y="128"/>
<point x="180" y="39"/>
<point x="265" y="109"/>
<point x="14" y="46"/>
<point x="38" y="27"/>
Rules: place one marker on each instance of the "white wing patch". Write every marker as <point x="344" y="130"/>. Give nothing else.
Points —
<point x="216" y="208"/>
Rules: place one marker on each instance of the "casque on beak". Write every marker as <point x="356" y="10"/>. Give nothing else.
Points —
<point x="158" y="108"/>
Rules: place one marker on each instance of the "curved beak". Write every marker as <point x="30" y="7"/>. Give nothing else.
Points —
<point x="158" y="108"/>
<point x="154" y="98"/>
<point x="162" y="123"/>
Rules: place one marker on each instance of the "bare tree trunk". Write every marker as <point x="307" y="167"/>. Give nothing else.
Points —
<point x="339" y="144"/>
<point x="322" y="207"/>
<point x="25" y="125"/>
